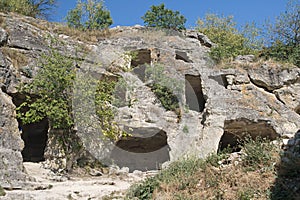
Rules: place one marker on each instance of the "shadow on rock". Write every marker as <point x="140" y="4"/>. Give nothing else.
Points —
<point x="287" y="183"/>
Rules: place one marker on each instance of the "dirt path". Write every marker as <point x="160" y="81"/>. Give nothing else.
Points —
<point x="75" y="187"/>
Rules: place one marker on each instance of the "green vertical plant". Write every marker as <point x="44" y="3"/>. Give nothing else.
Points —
<point x="89" y="15"/>
<point x="166" y="88"/>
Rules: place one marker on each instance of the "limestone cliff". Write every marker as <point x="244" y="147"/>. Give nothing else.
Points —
<point x="217" y="105"/>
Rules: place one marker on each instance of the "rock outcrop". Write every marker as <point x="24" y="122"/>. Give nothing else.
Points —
<point x="12" y="173"/>
<point x="216" y="106"/>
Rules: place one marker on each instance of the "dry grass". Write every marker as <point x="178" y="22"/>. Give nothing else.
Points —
<point x="2" y="20"/>
<point x="227" y="64"/>
<point x="84" y="36"/>
<point x="217" y="183"/>
<point x="17" y="58"/>
<point x="253" y="175"/>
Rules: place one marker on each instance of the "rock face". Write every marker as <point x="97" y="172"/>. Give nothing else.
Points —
<point x="216" y="106"/>
<point x="11" y="162"/>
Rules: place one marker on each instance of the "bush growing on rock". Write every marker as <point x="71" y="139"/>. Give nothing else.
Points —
<point x="32" y="8"/>
<point x="230" y="42"/>
<point x="49" y="94"/>
<point x="284" y="35"/>
<point x="161" y="17"/>
<point x="89" y="15"/>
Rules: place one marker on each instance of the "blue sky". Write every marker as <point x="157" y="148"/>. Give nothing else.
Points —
<point x="129" y="12"/>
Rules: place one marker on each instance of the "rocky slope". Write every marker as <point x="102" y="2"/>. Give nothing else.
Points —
<point x="217" y="105"/>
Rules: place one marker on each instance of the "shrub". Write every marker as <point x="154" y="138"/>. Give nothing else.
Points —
<point x="179" y="172"/>
<point x="167" y="89"/>
<point x="257" y="154"/>
<point x="33" y="8"/>
<point x="230" y="42"/>
<point x="89" y="15"/>
<point x="159" y="16"/>
<point x="49" y="94"/>
<point x="284" y="37"/>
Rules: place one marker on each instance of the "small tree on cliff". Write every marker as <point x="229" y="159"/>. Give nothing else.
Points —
<point x="161" y="17"/>
<point x="32" y="8"/>
<point x="51" y="92"/>
<point x="284" y="35"/>
<point x="89" y="15"/>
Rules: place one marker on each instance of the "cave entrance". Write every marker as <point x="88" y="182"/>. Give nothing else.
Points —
<point x="35" y="137"/>
<point x="181" y="55"/>
<point x="140" y="58"/>
<point x="236" y="130"/>
<point x="193" y="92"/>
<point x="297" y="109"/>
<point x="146" y="149"/>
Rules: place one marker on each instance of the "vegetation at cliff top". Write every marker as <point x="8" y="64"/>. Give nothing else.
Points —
<point x="161" y="17"/>
<point x="279" y="41"/>
<point x="89" y="15"/>
<point x="32" y="8"/>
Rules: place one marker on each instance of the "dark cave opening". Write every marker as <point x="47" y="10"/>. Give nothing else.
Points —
<point x="145" y="149"/>
<point x="34" y="135"/>
<point x="181" y="55"/>
<point x="297" y="109"/>
<point x="220" y="79"/>
<point x="140" y="59"/>
<point x="193" y="91"/>
<point x="236" y="130"/>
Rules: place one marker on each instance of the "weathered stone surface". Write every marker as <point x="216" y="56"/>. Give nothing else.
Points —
<point x="245" y="58"/>
<point x="290" y="95"/>
<point x="271" y="78"/>
<point x="3" y="36"/>
<point x="216" y="105"/>
<point x="11" y="167"/>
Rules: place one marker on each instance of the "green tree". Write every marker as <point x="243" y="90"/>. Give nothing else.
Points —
<point x="49" y="95"/>
<point x="284" y="35"/>
<point x="33" y="8"/>
<point x="89" y="15"/>
<point x="161" y="17"/>
<point x="229" y="40"/>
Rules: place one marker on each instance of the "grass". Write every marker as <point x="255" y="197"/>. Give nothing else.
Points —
<point x="84" y="36"/>
<point x="2" y="20"/>
<point x="252" y="176"/>
<point x="18" y="58"/>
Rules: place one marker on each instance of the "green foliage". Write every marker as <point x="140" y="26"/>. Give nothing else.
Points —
<point x="284" y="36"/>
<point x="286" y="28"/>
<point x="166" y="88"/>
<point x="89" y="15"/>
<point x="281" y="52"/>
<point x="230" y="42"/>
<point x="214" y="158"/>
<point x="144" y="190"/>
<point x="178" y="171"/>
<point x="33" y="8"/>
<point x="161" y="17"/>
<point x="257" y="154"/>
<point x="104" y="97"/>
<point x="49" y="94"/>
